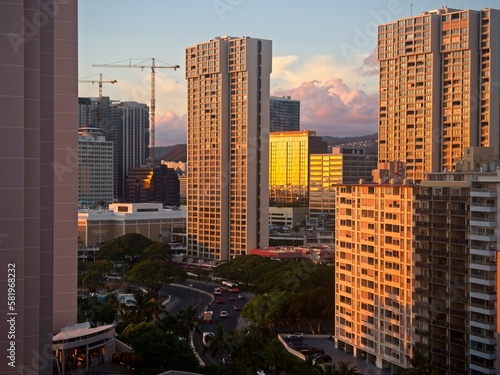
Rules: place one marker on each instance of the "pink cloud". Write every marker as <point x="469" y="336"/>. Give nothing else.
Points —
<point x="170" y="129"/>
<point x="333" y="108"/>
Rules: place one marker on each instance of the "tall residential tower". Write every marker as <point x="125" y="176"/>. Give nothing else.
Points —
<point x="228" y="127"/>
<point x="437" y="92"/>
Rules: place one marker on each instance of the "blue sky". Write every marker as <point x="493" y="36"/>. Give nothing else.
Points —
<point x="323" y="52"/>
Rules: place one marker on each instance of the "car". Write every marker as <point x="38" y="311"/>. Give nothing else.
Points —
<point x="298" y="334"/>
<point x="319" y="357"/>
<point x="217" y="291"/>
<point x="223" y="314"/>
<point x="237" y="308"/>
<point x="293" y="338"/>
<point x="225" y="361"/>
<point x="298" y="345"/>
<point x="241" y="296"/>
<point x="219" y="300"/>
<point x="232" y="298"/>
<point x="315" y="350"/>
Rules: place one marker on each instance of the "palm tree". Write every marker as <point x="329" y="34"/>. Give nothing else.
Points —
<point x="345" y="368"/>
<point x="217" y="344"/>
<point x="420" y="364"/>
<point x="143" y="308"/>
<point x="189" y="320"/>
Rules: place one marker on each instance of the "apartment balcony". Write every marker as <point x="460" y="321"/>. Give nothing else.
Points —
<point x="483" y="194"/>
<point x="484" y="324"/>
<point x="483" y="296"/>
<point x="482" y="370"/>
<point x="487" y="251"/>
<point x="478" y="207"/>
<point x="483" y="237"/>
<point x="482" y="351"/>
<point x="483" y="340"/>
<point x="489" y="266"/>
<point x="475" y="222"/>
<point x="484" y="282"/>
<point x="482" y="309"/>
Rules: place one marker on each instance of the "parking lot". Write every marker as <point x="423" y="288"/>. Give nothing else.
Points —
<point x="321" y="342"/>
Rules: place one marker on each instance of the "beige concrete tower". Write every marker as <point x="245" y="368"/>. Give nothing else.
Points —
<point x="38" y="178"/>
<point x="437" y="94"/>
<point x="228" y="130"/>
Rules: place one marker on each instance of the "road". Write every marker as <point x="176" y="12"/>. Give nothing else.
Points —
<point x="200" y="295"/>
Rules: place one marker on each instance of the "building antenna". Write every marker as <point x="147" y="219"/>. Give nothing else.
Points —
<point x="411" y="9"/>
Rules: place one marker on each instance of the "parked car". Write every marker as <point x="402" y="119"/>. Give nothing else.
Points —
<point x="292" y="338"/>
<point x="298" y="334"/>
<point x="223" y="314"/>
<point x="315" y="350"/>
<point x="319" y="357"/>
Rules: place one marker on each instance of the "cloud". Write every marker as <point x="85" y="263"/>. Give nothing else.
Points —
<point x="171" y="129"/>
<point x="369" y="66"/>
<point x="290" y="72"/>
<point x="333" y="108"/>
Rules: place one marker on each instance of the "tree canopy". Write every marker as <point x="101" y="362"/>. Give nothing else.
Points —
<point x="154" y="274"/>
<point x="125" y="249"/>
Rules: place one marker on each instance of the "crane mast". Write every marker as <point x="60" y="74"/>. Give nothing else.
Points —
<point x="152" y="65"/>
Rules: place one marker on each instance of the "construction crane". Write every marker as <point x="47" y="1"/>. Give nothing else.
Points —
<point x="145" y="63"/>
<point x="99" y="103"/>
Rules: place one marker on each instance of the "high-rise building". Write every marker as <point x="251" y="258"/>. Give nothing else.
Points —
<point x="38" y="180"/>
<point x="373" y="272"/>
<point x="126" y="124"/>
<point x="153" y="184"/>
<point x="228" y="126"/>
<point x="289" y="165"/>
<point x="456" y="268"/>
<point x="128" y="129"/>
<point x="285" y="114"/>
<point x="437" y="93"/>
<point x="94" y="113"/>
<point x="95" y="167"/>
<point x="344" y="165"/>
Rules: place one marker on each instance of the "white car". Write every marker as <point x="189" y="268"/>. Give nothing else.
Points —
<point x="223" y="314"/>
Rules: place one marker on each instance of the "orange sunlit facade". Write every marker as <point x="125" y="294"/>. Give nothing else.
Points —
<point x="373" y="272"/>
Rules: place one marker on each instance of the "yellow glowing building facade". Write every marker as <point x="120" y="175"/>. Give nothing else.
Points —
<point x="228" y="126"/>
<point x="289" y="165"/>
<point x="373" y="272"/>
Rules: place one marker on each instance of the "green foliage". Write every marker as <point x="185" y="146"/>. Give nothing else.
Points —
<point x="124" y="249"/>
<point x="97" y="311"/>
<point x="266" y="310"/>
<point x="157" y="250"/>
<point x="91" y="274"/>
<point x="154" y="274"/>
<point x="287" y="291"/>
<point x="420" y="363"/>
<point x="159" y="350"/>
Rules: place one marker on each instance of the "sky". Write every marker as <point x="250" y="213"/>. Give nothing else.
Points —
<point x="323" y="52"/>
